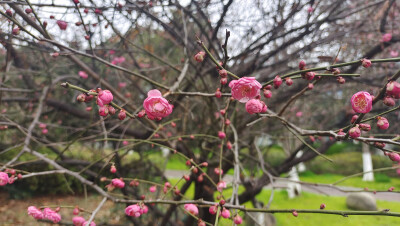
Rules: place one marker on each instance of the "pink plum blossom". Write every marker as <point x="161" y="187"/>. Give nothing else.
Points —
<point x="386" y="37"/>
<point x="245" y="89"/>
<point x="35" y="212"/>
<point x="255" y="106"/>
<point x="156" y="106"/>
<point x="51" y="215"/>
<point x="62" y="24"/>
<point x="118" y="183"/>
<point x="153" y="189"/>
<point x="133" y="210"/>
<point x="191" y="208"/>
<point x="3" y="178"/>
<point x="221" y="185"/>
<point x="104" y="97"/>
<point x="361" y="102"/>
<point x="83" y="74"/>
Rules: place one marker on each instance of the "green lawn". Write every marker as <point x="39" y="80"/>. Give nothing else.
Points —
<point x="382" y="182"/>
<point x="313" y="201"/>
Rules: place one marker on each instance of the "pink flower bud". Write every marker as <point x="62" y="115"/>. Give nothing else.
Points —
<point x="113" y="169"/>
<point x="302" y="65"/>
<point x="294" y="213"/>
<point x="83" y="74"/>
<point x="122" y="115"/>
<point x="341" y="80"/>
<point x="382" y="123"/>
<point x="388" y="101"/>
<point x="379" y="144"/>
<point x="268" y="87"/>
<point x="213" y="209"/>
<point x="386" y="37"/>
<point x="98" y="11"/>
<point x="221" y="185"/>
<point x="111" y="110"/>
<point x="16" y="31"/>
<point x="267" y="93"/>
<point x="88" y="108"/>
<point x="393" y="89"/>
<point x="103" y="111"/>
<point x="322" y="206"/>
<point x="104" y="97"/>
<point x="141" y="114"/>
<point x="229" y="145"/>
<point x="277" y="82"/>
<point x="361" y="102"/>
<point x="223" y="81"/>
<point x="153" y="189"/>
<point x="255" y="106"/>
<point x="366" y="63"/>
<point x="81" y="97"/>
<point x="225" y="213"/>
<point x="28" y="10"/>
<point x="391" y="188"/>
<point x="218" y="93"/>
<point x="310" y="75"/>
<point x="62" y="24"/>
<point x="199" y="57"/>
<point x="186" y="177"/>
<point x="191" y="208"/>
<point x="289" y="81"/>
<point x="201" y="223"/>
<point x="45" y="131"/>
<point x="9" y="12"/>
<point x="365" y="127"/>
<point x="75" y="211"/>
<point x="221" y="135"/>
<point x="355" y="132"/>
<point x="118" y="183"/>
<point x="336" y="71"/>
<point x="394" y="156"/>
<point x="218" y="171"/>
<point x="310" y="86"/>
<point x="245" y="89"/>
<point x="237" y="219"/>
<point x="86" y="10"/>
<point x="223" y="73"/>
<point x="354" y="118"/>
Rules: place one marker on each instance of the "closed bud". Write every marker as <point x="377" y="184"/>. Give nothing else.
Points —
<point x="111" y="110"/>
<point x="302" y="65"/>
<point x="322" y="206"/>
<point x="28" y="10"/>
<point x="289" y="81"/>
<point x="223" y="73"/>
<point x="199" y="57"/>
<point x="223" y="81"/>
<point x="365" y="127"/>
<point x="341" y="80"/>
<point x="122" y="115"/>
<point x="388" y="101"/>
<point x="9" y="12"/>
<point x="294" y="213"/>
<point x="16" y="31"/>
<point x="81" y="97"/>
<point x="277" y="82"/>
<point x="218" y="93"/>
<point x="267" y="93"/>
<point x="310" y="86"/>
<point x="366" y="63"/>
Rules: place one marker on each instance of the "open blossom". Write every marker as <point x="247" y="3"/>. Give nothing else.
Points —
<point x="3" y="178"/>
<point x="51" y="215"/>
<point x="104" y="97"/>
<point x="191" y="208"/>
<point x="245" y="89"/>
<point x="255" y="106"/>
<point x="221" y="185"/>
<point x="156" y="106"/>
<point x="133" y="210"/>
<point x="386" y="37"/>
<point x="83" y="74"/>
<point x="361" y="102"/>
<point x="118" y="183"/>
<point x="35" y="212"/>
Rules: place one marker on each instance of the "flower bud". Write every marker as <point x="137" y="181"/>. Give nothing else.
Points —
<point x="310" y="75"/>
<point x="341" y="80"/>
<point x="267" y="93"/>
<point x="365" y="127"/>
<point x="103" y="111"/>
<point x="322" y="206"/>
<point x="277" y="82"/>
<point x="111" y="110"/>
<point x="310" y="86"/>
<point x="122" y="115"/>
<point x="81" y="97"/>
<point x="199" y="57"/>
<point x="218" y="93"/>
<point x="366" y="63"/>
<point x="302" y="65"/>
<point x="28" y="10"/>
<point x="382" y="123"/>
<point x="355" y="132"/>
<point x="223" y="73"/>
<point x="388" y="101"/>
<point x="223" y="81"/>
<point x="289" y="81"/>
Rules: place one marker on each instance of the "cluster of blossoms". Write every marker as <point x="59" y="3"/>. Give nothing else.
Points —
<point x="136" y="210"/>
<point x="155" y="106"/>
<point x="47" y="213"/>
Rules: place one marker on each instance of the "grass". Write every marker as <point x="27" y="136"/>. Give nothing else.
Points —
<point x="311" y="201"/>
<point x="382" y="182"/>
